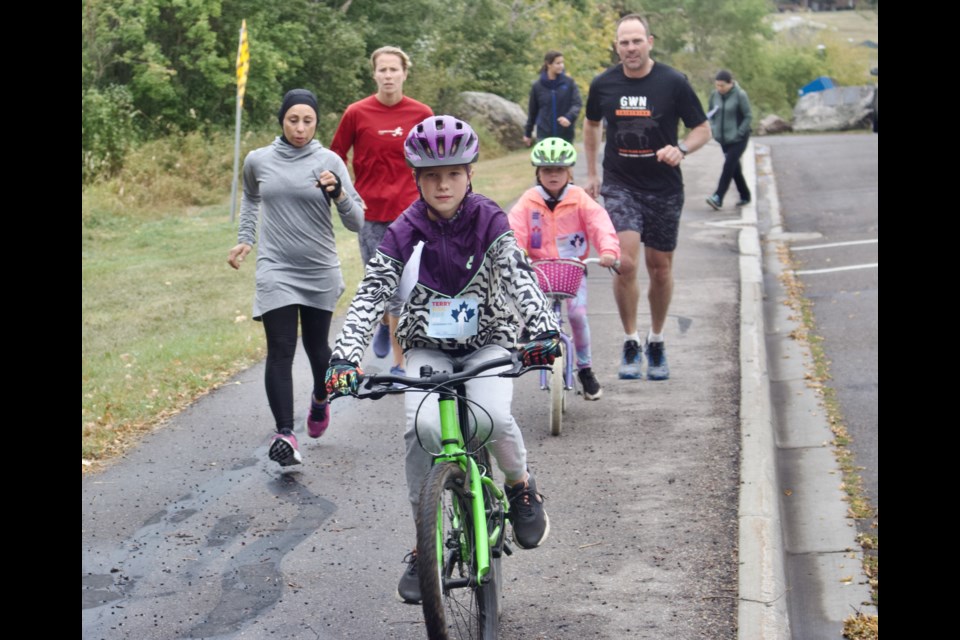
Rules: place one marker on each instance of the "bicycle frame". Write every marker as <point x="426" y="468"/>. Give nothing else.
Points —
<point x="568" y="349"/>
<point x="453" y="416"/>
<point x="451" y="437"/>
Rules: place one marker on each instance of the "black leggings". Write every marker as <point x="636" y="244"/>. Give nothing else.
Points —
<point x="280" y="326"/>
<point x="732" y="170"/>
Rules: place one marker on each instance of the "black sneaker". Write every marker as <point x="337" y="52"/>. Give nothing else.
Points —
<point x="409" y="587"/>
<point x="531" y="526"/>
<point x="657" y="367"/>
<point x="591" y="387"/>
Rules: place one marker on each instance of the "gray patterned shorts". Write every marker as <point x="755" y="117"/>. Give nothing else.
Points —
<point x="371" y="235"/>
<point x="655" y="217"/>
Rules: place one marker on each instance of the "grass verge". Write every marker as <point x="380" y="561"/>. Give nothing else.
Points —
<point x="503" y="179"/>
<point x="163" y="318"/>
<point x="858" y="626"/>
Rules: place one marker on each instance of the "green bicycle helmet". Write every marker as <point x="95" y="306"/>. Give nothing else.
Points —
<point x="553" y="152"/>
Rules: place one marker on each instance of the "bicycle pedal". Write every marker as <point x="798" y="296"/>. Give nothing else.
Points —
<point x="506" y="549"/>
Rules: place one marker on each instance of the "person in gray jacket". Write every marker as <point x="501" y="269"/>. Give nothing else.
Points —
<point x="289" y="187"/>
<point x="730" y="119"/>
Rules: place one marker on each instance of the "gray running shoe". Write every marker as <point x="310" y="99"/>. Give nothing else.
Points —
<point x="630" y="361"/>
<point x="381" y="341"/>
<point x="657" y="367"/>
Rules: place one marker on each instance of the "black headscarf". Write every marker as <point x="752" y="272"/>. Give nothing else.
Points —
<point x="295" y="97"/>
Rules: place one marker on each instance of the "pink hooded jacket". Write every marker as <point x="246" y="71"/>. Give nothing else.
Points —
<point x="568" y="231"/>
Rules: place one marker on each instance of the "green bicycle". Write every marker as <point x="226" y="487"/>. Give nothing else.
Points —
<point x="461" y="523"/>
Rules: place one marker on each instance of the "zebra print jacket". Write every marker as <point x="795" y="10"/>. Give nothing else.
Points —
<point x="473" y="255"/>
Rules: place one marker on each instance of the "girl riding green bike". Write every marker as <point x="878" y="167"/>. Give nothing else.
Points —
<point x="453" y="258"/>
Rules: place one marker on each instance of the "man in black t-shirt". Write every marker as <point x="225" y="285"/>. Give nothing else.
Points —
<point x="642" y="102"/>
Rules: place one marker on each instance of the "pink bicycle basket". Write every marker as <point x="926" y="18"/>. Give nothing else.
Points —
<point x="560" y="276"/>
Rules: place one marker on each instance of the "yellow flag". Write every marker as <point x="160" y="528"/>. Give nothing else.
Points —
<point x="243" y="63"/>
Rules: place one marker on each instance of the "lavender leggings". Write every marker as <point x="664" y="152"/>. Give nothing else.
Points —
<point x="580" y="328"/>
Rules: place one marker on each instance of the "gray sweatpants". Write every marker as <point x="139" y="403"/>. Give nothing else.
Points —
<point x="493" y="394"/>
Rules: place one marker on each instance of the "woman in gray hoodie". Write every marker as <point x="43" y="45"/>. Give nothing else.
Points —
<point x="288" y="187"/>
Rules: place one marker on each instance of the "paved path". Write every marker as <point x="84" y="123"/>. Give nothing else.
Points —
<point x="656" y="531"/>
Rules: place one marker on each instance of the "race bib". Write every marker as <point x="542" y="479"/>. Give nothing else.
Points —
<point x="454" y="318"/>
<point x="572" y="245"/>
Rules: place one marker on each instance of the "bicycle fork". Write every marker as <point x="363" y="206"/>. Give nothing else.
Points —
<point x="568" y="350"/>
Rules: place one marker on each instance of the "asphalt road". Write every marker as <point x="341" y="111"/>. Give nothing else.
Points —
<point x="195" y="534"/>
<point x="829" y="186"/>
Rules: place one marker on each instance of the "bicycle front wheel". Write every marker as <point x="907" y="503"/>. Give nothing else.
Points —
<point x="455" y="603"/>
<point x="557" y="402"/>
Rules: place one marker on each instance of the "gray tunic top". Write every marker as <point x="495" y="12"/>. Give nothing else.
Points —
<point x="297" y="261"/>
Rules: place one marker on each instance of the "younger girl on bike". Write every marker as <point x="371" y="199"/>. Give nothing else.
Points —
<point x="557" y="219"/>
<point x="461" y="272"/>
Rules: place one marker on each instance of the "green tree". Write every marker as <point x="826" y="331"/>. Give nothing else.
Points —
<point x="173" y="62"/>
<point x="164" y="51"/>
<point x="582" y="31"/>
<point x="297" y="43"/>
<point x="696" y="36"/>
<point x="107" y="131"/>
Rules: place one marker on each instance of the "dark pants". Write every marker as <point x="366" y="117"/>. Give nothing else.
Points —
<point x="280" y="326"/>
<point x="567" y="133"/>
<point x="732" y="170"/>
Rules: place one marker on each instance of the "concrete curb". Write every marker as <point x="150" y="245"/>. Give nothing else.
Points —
<point x="762" y="611"/>
<point x="819" y="559"/>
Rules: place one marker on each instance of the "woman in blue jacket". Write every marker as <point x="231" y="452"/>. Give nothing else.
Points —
<point x="554" y="102"/>
<point x="730" y="119"/>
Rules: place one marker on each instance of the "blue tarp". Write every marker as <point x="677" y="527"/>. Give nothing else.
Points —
<point x="821" y="83"/>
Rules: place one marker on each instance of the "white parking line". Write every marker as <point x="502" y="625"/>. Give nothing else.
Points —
<point x="835" y="244"/>
<point x="872" y="265"/>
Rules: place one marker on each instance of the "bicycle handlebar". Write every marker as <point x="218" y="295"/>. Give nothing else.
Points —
<point x="615" y="266"/>
<point x="439" y="379"/>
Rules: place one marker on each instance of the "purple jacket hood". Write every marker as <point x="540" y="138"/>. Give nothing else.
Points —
<point x="453" y="250"/>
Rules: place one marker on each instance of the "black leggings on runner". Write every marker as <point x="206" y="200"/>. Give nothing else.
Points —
<point x="280" y="326"/>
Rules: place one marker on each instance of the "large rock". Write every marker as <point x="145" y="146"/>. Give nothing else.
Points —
<point x="836" y="109"/>
<point x="502" y="118"/>
<point x="773" y="124"/>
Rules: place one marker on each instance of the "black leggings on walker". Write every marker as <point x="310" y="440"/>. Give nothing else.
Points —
<point x="280" y="326"/>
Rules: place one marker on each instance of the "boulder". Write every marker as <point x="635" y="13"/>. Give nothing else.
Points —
<point x="499" y="116"/>
<point x="773" y="124"/>
<point x="835" y="109"/>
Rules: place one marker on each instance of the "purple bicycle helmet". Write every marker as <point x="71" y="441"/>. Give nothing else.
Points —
<point x="441" y="141"/>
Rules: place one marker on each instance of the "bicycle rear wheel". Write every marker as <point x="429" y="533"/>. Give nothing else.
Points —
<point x="455" y="604"/>
<point x="557" y="392"/>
